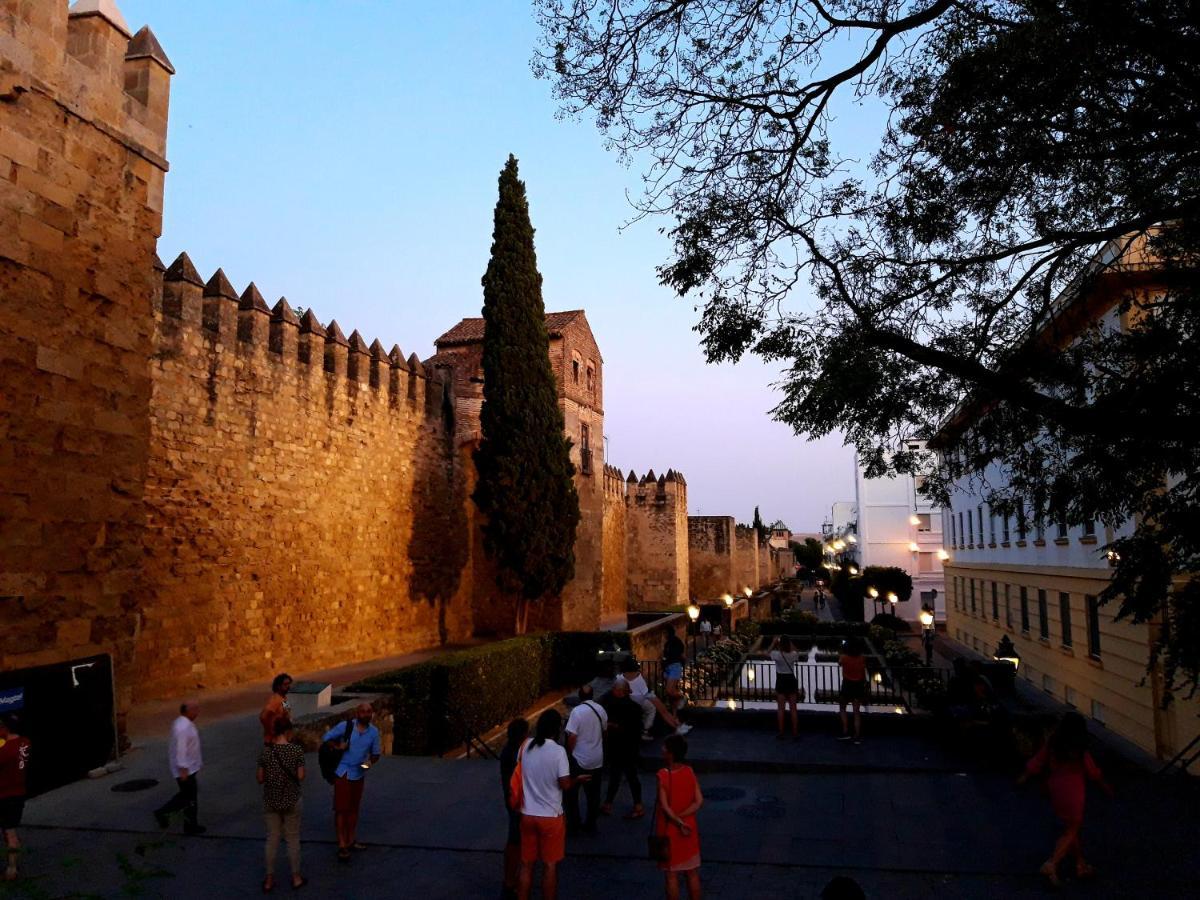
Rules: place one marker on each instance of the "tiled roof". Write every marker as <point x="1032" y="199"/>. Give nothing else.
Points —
<point x="470" y="331"/>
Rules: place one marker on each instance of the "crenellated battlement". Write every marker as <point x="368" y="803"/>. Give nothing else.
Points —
<point x="651" y="488"/>
<point x="211" y="318"/>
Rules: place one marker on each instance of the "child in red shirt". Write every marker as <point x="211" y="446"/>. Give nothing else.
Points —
<point x="1067" y="766"/>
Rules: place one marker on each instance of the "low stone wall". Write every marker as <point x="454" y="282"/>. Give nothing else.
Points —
<point x="646" y="641"/>
<point x="311" y="728"/>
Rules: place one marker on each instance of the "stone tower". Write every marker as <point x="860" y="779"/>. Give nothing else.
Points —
<point x="83" y="129"/>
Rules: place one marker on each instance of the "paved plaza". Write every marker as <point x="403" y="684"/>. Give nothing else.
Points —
<point x="436" y="829"/>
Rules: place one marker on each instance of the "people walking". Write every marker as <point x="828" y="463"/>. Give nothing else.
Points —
<point x="276" y="707"/>
<point x="1067" y="765"/>
<point x="623" y="747"/>
<point x="586" y="726"/>
<point x="679" y="798"/>
<point x="787" y="688"/>
<point x="518" y="731"/>
<point x="14" y="766"/>
<point x="359" y="752"/>
<point x="853" y="692"/>
<point x="545" y="774"/>
<point x="185" y="761"/>
<point x="281" y="774"/>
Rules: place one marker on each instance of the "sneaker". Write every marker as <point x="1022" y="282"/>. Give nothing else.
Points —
<point x="683" y="729"/>
<point x="845" y="737"/>
<point x="647" y="738"/>
<point x="161" y="818"/>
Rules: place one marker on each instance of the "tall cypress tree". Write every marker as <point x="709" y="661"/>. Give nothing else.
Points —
<point x="526" y="488"/>
<point x="759" y="526"/>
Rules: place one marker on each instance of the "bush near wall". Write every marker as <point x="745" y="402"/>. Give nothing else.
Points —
<point x="482" y="687"/>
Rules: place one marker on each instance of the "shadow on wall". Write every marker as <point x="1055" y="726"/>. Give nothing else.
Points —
<point x="439" y="546"/>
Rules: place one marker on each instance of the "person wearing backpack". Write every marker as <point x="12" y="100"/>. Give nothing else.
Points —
<point x="360" y="748"/>
<point x="586" y="726"/>
<point x="281" y="773"/>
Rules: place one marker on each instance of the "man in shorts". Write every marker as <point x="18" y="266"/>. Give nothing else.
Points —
<point x="14" y="763"/>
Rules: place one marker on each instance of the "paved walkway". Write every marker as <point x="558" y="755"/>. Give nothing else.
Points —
<point x="152" y="718"/>
<point x="436" y="830"/>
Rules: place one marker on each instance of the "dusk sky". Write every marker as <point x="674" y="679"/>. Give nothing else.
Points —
<point x="346" y="155"/>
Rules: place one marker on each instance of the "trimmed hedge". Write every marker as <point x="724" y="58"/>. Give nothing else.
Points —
<point x="482" y="687"/>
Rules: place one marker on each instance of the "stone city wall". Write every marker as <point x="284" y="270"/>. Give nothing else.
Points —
<point x="83" y="121"/>
<point x="711" y="570"/>
<point x="746" y="558"/>
<point x="656" y="545"/>
<point x="306" y="506"/>
<point x="613" y="602"/>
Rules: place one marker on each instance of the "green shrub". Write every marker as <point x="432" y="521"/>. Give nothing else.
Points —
<point x="891" y="622"/>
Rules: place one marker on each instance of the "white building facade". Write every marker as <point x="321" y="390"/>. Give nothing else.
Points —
<point x="898" y="527"/>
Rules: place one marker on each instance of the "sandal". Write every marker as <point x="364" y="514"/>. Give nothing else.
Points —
<point x="1051" y="872"/>
<point x="268" y="884"/>
<point x="358" y="845"/>
<point x="296" y="885"/>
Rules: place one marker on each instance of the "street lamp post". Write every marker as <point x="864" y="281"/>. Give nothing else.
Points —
<point x="693" y="612"/>
<point x="927" y="634"/>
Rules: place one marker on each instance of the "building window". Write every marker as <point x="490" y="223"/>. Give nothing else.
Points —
<point x="1093" y="627"/>
<point x="575" y="370"/>
<point x="995" y="602"/>
<point x="1060" y="528"/>
<point x="962" y="535"/>
<point x="972" y="596"/>
<point x="1064" y="612"/>
<point x="927" y="598"/>
<point x="1047" y="684"/>
<point x="979" y="513"/>
<point x="924" y="522"/>
<point x="591" y="378"/>
<point x="1004" y="536"/>
<point x="1022" y="522"/>
<point x="991" y="526"/>
<point x="924" y="563"/>
<point x="959" y="597"/>
<point x="1039" y="529"/>
<point x="1024" y="610"/>
<point x="953" y="532"/>
<point x="1098" y="712"/>
<point x="1043" y="616"/>
<point x="1089" y="528"/>
<point x="1007" y="607"/>
<point x="970" y="529"/>
<point x="1070" y="695"/>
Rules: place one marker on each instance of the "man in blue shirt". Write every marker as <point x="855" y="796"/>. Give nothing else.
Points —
<point x="361" y="751"/>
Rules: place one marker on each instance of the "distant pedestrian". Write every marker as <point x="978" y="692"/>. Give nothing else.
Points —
<point x="14" y="766"/>
<point x="623" y="747"/>
<point x="277" y="706"/>
<point x="679" y="799"/>
<point x="518" y="731"/>
<point x="359" y="753"/>
<point x="787" y="688"/>
<point x="1067" y="766"/>
<point x="281" y="774"/>
<point x="586" y="726"/>
<point x="545" y="774"/>
<point x="185" y="761"/>
<point x="854" y="686"/>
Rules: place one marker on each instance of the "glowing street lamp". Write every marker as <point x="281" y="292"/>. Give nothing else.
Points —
<point x="942" y="554"/>
<point x="914" y="520"/>
<point x="872" y="593"/>
<point x="728" y="598"/>
<point x="693" y="612"/>
<point x="851" y="539"/>
<point x="926" y="618"/>
<point x="892" y="598"/>
<point x="913" y="548"/>
<point x="746" y="590"/>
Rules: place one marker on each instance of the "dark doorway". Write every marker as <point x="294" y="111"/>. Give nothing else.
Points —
<point x="67" y="714"/>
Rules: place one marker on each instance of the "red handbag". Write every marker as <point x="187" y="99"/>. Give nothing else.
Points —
<point x="516" y="785"/>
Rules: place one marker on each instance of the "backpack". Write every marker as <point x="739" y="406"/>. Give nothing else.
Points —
<point x="329" y="757"/>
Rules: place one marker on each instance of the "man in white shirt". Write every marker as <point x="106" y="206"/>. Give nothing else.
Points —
<point x="185" y="761"/>
<point x="648" y="700"/>
<point x="585" y="744"/>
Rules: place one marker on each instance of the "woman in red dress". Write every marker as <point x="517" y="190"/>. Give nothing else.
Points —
<point x="1067" y="765"/>
<point x="679" y="798"/>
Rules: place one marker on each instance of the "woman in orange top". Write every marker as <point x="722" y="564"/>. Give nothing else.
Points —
<point x="679" y="798"/>
<point x="854" y="686"/>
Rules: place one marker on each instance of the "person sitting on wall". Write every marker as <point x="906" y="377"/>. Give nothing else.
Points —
<point x="673" y="659"/>
<point x="648" y="701"/>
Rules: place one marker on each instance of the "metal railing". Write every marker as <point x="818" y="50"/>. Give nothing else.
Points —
<point x="471" y="739"/>
<point x="1183" y="758"/>
<point x="750" y="680"/>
